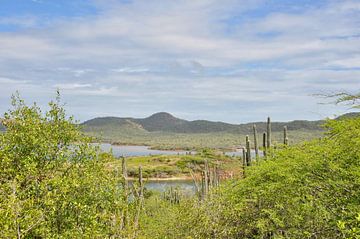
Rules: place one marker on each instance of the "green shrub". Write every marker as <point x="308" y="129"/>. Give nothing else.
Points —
<point x="306" y="191"/>
<point x="53" y="183"/>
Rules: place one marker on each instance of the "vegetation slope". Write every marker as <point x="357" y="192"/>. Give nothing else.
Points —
<point x="164" y="131"/>
<point x="310" y="190"/>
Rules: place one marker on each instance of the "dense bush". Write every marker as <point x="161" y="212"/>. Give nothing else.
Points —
<point x="53" y="183"/>
<point x="306" y="191"/>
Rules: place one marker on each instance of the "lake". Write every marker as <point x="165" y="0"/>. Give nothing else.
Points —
<point x="239" y="153"/>
<point x="186" y="186"/>
<point x="135" y="150"/>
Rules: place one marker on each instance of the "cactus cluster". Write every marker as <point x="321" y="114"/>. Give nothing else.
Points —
<point x="266" y="144"/>
<point x="209" y="179"/>
<point x="172" y="195"/>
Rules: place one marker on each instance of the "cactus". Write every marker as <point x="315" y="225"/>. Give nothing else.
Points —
<point x="141" y="185"/>
<point x="216" y="176"/>
<point x="140" y="203"/>
<point x="125" y="214"/>
<point x="209" y="173"/>
<point x="124" y="173"/>
<point x="255" y="142"/>
<point x="203" y="190"/>
<point x="244" y="160"/>
<point x="206" y="177"/>
<point x="285" y="136"/>
<point x="264" y="143"/>
<point x="268" y="133"/>
<point x="248" y="151"/>
<point x="172" y="195"/>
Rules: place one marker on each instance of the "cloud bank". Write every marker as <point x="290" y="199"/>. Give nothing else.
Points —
<point x="232" y="60"/>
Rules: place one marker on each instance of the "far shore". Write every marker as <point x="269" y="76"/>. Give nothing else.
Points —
<point x="179" y="178"/>
<point x="230" y="149"/>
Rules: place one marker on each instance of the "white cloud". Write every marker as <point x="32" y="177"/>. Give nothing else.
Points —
<point x="352" y="62"/>
<point x="5" y="80"/>
<point x="71" y="86"/>
<point x="130" y="70"/>
<point x="22" y="21"/>
<point x="177" y="53"/>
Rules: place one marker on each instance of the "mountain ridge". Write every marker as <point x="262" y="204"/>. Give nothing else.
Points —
<point x="165" y="122"/>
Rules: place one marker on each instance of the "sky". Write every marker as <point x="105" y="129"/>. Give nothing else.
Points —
<point x="231" y="60"/>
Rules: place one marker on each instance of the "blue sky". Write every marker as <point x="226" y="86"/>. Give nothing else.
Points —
<point x="231" y="60"/>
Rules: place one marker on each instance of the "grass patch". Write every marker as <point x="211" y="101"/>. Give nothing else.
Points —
<point x="167" y="166"/>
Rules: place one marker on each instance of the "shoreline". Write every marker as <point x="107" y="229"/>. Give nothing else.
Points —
<point x="179" y="149"/>
<point x="183" y="178"/>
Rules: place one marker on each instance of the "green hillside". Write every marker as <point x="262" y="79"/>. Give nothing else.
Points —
<point x="165" y="122"/>
<point x="162" y="130"/>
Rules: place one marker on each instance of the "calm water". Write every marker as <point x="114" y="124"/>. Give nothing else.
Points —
<point x="129" y="151"/>
<point x="186" y="186"/>
<point x="239" y="153"/>
<point x="135" y="150"/>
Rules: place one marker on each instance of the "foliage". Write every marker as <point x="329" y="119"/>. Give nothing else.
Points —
<point x="306" y="191"/>
<point x="350" y="99"/>
<point x="53" y="182"/>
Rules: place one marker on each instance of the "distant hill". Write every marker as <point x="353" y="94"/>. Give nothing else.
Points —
<point x="164" y="131"/>
<point x="349" y="115"/>
<point x="165" y="122"/>
<point x="161" y="122"/>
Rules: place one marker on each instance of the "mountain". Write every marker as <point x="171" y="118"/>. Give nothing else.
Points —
<point x="165" y="122"/>
<point x="161" y="122"/>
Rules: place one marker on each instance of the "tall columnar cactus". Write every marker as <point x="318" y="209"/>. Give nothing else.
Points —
<point x="215" y="177"/>
<point x="140" y="203"/>
<point x="206" y="177"/>
<point x="141" y="184"/>
<point x="244" y="160"/>
<point x="256" y="142"/>
<point x="124" y="173"/>
<point x="268" y="133"/>
<point x="248" y="151"/>
<point x="176" y="196"/>
<point x="264" y="143"/>
<point x="286" y="140"/>
<point x="125" y="214"/>
<point x="202" y="195"/>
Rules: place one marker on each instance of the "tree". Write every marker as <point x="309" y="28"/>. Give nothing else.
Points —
<point x="53" y="182"/>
